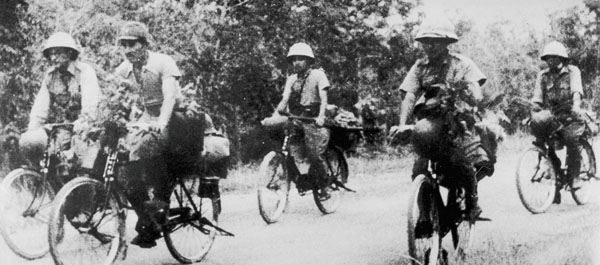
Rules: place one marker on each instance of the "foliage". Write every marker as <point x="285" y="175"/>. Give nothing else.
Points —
<point x="233" y="52"/>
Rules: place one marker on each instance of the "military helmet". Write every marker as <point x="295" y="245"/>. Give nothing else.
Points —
<point x="133" y="30"/>
<point x="437" y="28"/>
<point x="60" y="39"/>
<point x="427" y="137"/>
<point x="554" y="48"/>
<point x="300" y="49"/>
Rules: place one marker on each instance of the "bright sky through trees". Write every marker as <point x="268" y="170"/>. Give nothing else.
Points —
<point x="532" y="13"/>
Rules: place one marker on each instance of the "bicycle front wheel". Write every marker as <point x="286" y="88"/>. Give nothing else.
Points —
<point x="424" y="241"/>
<point x="462" y="229"/>
<point x="189" y="233"/>
<point x="328" y="199"/>
<point x="25" y="204"/>
<point x="87" y="224"/>
<point x="536" y="180"/>
<point x="583" y="184"/>
<point x="273" y="187"/>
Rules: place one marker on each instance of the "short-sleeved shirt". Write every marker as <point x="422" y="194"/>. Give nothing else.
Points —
<point x="555" y="90"/>
<point x="63" y="96"/>
<point x="310" y="84"/>
<point x="158" y="67"/>
<point x="455" y="68"/>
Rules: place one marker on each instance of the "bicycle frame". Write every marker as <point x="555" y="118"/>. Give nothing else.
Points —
<point x="46" y="165"/>
<point x="451" y="211"/>
<point x="109" y="181"/>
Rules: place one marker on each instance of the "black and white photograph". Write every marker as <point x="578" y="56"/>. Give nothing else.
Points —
<point x="295" y="132"/>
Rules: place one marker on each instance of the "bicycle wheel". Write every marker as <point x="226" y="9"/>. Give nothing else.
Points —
<point x="273" y="187"/>
<point x="329" y="200"/>
<point x="188" y="233"/>
<point x="536" y="180"/>
<point x="462" y="230"/>
<point x="424" y="241"/>
<point x="25" y="204"/>
<point x="584" y="182"/>
<point x="87" y="225"/>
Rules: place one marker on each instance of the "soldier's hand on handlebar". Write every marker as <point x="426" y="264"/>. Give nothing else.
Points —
<point x="320" y="121"/>
<point x="400" y="134"/>
<point x="396" y="131"/>
<point x="158" y="126"/>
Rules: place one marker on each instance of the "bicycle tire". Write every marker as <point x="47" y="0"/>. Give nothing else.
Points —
<point x="536" y="180"/>
<point x="21" y="192"/>
<point x="587" y="175"/>
<point x="462" y="230"/>
<point x="424" y="242"/>
<point x="338" y="170"/>
<point x="273" y="187"/>
<point x="83" y="229"/>
<point x="189" y="241"/>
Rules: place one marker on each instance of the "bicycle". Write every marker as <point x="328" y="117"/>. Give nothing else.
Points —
<point x="26" y="195"/>
<point x="539" y="174"/>
<point x="278" y="170"/>
<point x="430" y="218"/>
<point x="87" y="222"/>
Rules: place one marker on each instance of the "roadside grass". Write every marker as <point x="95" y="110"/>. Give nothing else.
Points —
<point x="365" y="166"/>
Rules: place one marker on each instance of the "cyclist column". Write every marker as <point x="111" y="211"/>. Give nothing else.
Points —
<point x="305" y="94"/>
<point x="557" y="99"/>
<point x="69" y="93"/>
<point x="448" y="85"/>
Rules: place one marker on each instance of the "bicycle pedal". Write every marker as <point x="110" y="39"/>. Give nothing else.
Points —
<point x="483" y="219"/>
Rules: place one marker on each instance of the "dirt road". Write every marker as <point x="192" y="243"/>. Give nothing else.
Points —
<point x="369" y="229"/>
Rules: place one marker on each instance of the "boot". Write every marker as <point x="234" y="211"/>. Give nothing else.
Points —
<point x="473" y="207"/>
<point x="573" y="167"/>
<point x="539" y="142"/>
<point x="557" y="196"/>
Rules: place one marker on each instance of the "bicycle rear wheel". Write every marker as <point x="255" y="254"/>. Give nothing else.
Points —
<point x="329" y="200"/>
<point x="536" y="180"/>
<point x="87" y="225"/>
<point x="424" y="240"/>
<point x="584" y="182"/>
<point x="188" y="233"/>
<point x="25" y="205"/>
<point x="273" y="187"/>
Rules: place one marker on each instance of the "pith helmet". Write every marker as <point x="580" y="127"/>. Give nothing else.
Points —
<point x="554" y="48"/>
<point x="437" y="28"/>
<point x="133" y="30"/>
<point x="301" y="49"/>
<point x="60" y="39"/>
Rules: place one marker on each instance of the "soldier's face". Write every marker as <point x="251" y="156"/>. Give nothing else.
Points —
<point x="59" y="57"/>
<point x="133" y="50"/>
<point x="299" y="63"/>
<point x="434" y="49"/>
<point x="554" y="62"/>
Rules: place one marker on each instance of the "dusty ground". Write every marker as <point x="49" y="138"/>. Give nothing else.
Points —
<point x="369" y="229"/>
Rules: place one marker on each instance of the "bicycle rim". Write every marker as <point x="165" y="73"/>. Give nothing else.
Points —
<point x="585" y="182"/>
<point x="462" y="236"/>
<point x="536" y="180"/>
<point x="423" y="227"/>
<point x="273" y="187"/>
<point x="462" y="230"/>
<point x="329" y="200"/>
<point x="25" y="205"/>
<point x="83" y="229"/>
<point x="188" y="234"/>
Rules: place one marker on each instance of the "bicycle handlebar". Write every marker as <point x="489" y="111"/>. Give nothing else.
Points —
<point x="53" y="126"/>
